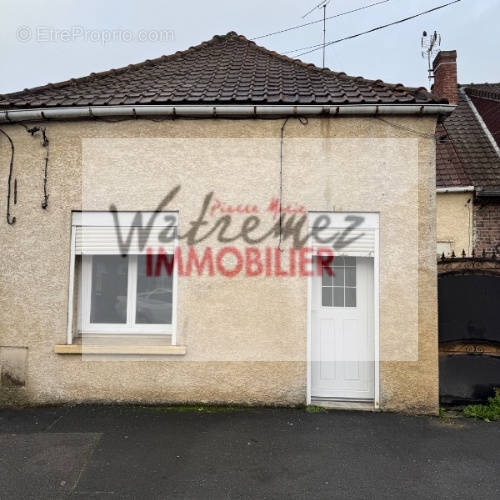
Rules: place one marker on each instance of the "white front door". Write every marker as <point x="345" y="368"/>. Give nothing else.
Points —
<point x="342" y="343"/>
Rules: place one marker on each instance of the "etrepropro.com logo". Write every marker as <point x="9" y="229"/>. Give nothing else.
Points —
<point x="51" y="34"/>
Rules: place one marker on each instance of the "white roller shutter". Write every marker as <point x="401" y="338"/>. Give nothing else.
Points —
<point x="105" y="241"/>
<point x="96" y="234"/>
<point x="338" y="235"/>
<point x="360" y="243"/>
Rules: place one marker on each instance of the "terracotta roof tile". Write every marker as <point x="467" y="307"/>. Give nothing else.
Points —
<point x="488" y="90"/>
<point x="449" y="169"/>
<point x="466" y="155"/>
<point x="226" y="69"/>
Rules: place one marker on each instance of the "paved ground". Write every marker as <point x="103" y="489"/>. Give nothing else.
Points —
<point x="120" y="452"/>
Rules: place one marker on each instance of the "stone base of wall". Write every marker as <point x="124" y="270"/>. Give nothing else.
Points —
<point x="406" y="387"/>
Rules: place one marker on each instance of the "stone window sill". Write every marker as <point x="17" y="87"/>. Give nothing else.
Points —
<point x="143" y="350"/>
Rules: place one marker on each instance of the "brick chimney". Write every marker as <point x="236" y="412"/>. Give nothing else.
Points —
<point x="445" y="76"/>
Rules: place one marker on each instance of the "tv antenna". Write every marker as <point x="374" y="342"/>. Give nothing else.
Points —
<point x="431" y="45"/>
<point x="321" y="5"/>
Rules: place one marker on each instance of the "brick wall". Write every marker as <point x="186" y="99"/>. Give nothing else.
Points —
<point x="445" y="76"/>
<point x="487" y="226"/>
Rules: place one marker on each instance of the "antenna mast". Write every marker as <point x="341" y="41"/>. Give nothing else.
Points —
<point x="431" y="45"/>
<point x="321" y="5"/>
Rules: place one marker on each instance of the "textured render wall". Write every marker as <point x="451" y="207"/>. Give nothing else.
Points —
<point x="414" y="386"/>
<point x="455" y="220"/>
<point x="219" y="319"/>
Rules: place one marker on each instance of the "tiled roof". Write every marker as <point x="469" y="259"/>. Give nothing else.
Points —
<point x="467" y="157"/>
<point x="486" y="99"/>
<point x="491" y="90"/>
<point x="449" y="169"/>
<point x="228" y="69"/>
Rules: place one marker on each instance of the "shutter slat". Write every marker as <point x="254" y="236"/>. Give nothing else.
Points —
<point x="92" y="240"/>
<point x="361" y="243"/>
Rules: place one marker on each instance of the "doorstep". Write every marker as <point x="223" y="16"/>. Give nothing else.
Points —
<point x="331" y="404"/>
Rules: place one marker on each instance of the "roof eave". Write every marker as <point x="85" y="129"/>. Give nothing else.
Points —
<point x="221" y="111"/>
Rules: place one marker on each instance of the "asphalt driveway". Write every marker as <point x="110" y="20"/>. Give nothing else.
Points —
<point x="133" y="452"/>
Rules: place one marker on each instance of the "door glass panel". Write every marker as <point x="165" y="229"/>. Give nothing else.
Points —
<point x="108" y="303"/>
<point x="338" y="261"/>
<point x="339" y="290"/>
<point x="350" y="297"/>
<point x="350" y="276"/>
<point x="327" y="275"/>
<point x="350" y="261"/>
<point x="338" y="296"/>
<point x="327" y="296"/>
<point x="154" y="294"/>
<point x="338" y="279"/>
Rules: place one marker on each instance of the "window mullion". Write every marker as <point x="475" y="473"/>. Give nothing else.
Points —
<point x="132" y="291"/>
<point x="86" y="290"/>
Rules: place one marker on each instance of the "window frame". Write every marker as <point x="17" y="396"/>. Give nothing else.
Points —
<point x="76" y="325"/>
<point x="130" y="327"/>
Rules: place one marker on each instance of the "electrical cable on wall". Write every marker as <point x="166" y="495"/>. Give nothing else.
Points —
<point x="45" y="143"/>
<point x="169" y="118"/>
<point x="10" y="220"/>
<point x="407" y="129"/>
<point x="282" y="132"/>
<point x="304" y="121"/>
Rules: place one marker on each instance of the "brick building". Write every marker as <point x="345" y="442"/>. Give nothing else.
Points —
<point x="468" y="163"/>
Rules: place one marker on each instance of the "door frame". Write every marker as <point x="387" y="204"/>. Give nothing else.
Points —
<point x="376" y="304"/>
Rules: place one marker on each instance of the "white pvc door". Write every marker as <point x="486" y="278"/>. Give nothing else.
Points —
<point x="342" y="343"/>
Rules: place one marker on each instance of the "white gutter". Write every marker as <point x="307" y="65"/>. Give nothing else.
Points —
<point x="58" y="113"/>
<point x="466" y="189"/>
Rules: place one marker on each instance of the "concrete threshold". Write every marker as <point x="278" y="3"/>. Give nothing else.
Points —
<point x="331" y="404"/>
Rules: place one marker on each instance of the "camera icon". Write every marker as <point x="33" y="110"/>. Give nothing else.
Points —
<point x="24" y="34"/>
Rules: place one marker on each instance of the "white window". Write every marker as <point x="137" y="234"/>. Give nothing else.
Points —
<point x="121" y="289"/>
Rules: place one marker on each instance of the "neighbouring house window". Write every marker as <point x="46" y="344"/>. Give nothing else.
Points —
<point x="124" y="293"/>
<point x="338" y="285"/>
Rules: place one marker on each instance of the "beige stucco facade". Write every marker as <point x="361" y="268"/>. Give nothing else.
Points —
<point x="245" y="339"/>
<point x="454" y="212"/>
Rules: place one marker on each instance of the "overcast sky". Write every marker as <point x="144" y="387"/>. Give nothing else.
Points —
<point x="49" y="41"/>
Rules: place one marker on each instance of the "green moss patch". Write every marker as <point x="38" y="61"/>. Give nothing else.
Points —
<point x="196" y="409"/>
<point x="488" y="412"/>
<point x="315" y="409"/>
